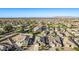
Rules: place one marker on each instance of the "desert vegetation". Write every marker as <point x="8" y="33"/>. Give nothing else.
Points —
<point x="33" y="34"/>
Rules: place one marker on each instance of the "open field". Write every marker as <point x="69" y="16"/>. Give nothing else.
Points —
<point x="39" y="34"/>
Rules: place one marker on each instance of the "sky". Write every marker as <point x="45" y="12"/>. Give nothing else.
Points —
<point x="38" y="12"/>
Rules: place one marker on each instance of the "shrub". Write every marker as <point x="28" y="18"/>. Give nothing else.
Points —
<point x="57" y="49"/>
<point x="76" y="48"/>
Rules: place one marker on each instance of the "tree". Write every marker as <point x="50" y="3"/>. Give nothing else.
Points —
<point x="20" y="29"/>
<point x="2" y="32"/>
<point x="8" y="28"/>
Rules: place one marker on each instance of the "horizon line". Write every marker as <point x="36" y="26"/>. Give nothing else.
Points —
<point x="44" y="17"/>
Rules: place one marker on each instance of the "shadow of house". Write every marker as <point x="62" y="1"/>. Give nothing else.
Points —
<point x="31" y="40"/>
<point x="73" y="41"/>
<point x="45" y="40"/>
